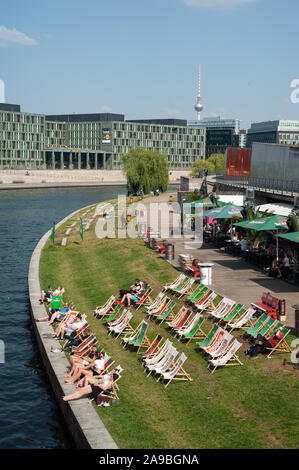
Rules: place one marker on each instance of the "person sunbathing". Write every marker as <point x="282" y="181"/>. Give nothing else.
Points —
<point x="66" y="330"/>
<point x="96" y="367"/>
<point x="56" y="314"/>
<point x="126" y="300"/>
<point x="48" y="294"/>
<point x="263" y="343"/>
<point x="84" y="361"/>
<point x="104" y="384"/>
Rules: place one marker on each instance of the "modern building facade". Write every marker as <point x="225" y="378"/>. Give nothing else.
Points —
<point x="219" y="133"/>
<point x="91" y="141"/>
<point x="274" y="132"/>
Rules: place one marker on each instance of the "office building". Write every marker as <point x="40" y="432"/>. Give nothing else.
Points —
<point x="274" y="132"/>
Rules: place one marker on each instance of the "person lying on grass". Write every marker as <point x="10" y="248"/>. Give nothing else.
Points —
<point x="84" y="361"/>
<point x="95" y="367"/>
<point x="104" y="384"/>
<point x="126" y="300"/>
<point x="48" y="294"/>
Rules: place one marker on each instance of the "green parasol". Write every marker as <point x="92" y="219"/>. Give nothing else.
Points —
<point x="205" y="202"/>
<point x="292" y="237"/>
<point x="225" y="212"/>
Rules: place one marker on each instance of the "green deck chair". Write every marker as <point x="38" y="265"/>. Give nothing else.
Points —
<point x="167" y="312"/>
<point x="258" y="325"/>
<point x="208" y="338"/>
<point x="142" y="341"/>
<point x="232" y="315"/>
<point x="267" y="327"/>
<point x="192" y="334"/>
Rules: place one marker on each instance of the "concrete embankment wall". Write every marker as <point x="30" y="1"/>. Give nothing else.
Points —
<point x="82" y="420"/>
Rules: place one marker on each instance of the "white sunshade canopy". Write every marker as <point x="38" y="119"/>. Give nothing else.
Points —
<point x="276" y="209"/>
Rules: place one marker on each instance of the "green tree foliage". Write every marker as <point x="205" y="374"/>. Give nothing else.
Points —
<point x="214" y="163"/>
<point x="145" y="169"/>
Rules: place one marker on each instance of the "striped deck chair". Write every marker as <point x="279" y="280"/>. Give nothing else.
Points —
<point x="233" y="313"/>
<point x="119" y="322"/>
<point x="124" y="327"/>
<point x="157" y="307"/>
<point x="215" y="343"/>
<point x="204" y="298"/>
<point x="167" y="364"/>
<point x="207" y="302"/>
<point x="156" y="357"/>
<point x="188" y="326"/>
<point x="167" y="313"/>
<point x="156" y="302"/>
<point x="182" y="322"/>
<point x="223" y="346"/>
<point x="177" y="373"/>
<point x="181" y="285"/>
<point x="101" y="310"/>
<point x="142" y="340"/>
<point x="153" y="347"/>
<point x="242" y="321"/>
<point x="85" y="346"/>
<point x="196" y="332"/>
<point x="219" y="307"/>
<point x="208" y="338"/>
<point x="145" y="299"/>
<point x="230" y="358"/>
<point x="175" y="283"/>
<point x="177" y="318"/>
<point x="160" y="310"/>
<point x="156" y="365"/>
<point x="185" y="288"/>
<point x="110" y="324"/>
<point x="225" y="311"/>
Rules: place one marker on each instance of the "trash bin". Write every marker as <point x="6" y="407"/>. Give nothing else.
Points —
<point x="296" y="307"/>
<point x="169" y="251"/>
<point x="206" y="273"/>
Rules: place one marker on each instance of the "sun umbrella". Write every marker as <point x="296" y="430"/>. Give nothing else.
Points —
<point x="225" y="212"/>
<point x="267" y="224"/>
<point x="292" y="237"/>
<point x="206" y="202"/>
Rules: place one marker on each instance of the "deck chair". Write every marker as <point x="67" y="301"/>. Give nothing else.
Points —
<point x="114" y="313"/>
<point x="215" y="343"/>
<point x="205" y="294"/>
<point x="196" y="332"/>
<point x="156" y="302"/>
<point x="167" y="313"/>
<point x="118" y="320"/>
<point x="175" y="283"/>
<point x="282" y="346"/>
<point x="218" y="309"/>
<point x="120" y="328"/>
<point x="223" y="346"/>
<point x="153" y="347"/>
<point x="182" y="322"/>
<point x="185" y="288"/>
<point x="233" y="313"/>
<point x="160" y="310"/>
<point x="177" y="318"/>
<point x="142" y="340"/>
<point x="156" y="365"/>
<point x="207" y="302"/>
<point x="157" y="307"/>
<point x="257" y="326"/>
<point x="266" y="329"/>
<point x="230" y="358"/>
<point x="199" y="295"/>
<point x="134" y="335"/>
<point x="195" y="293"/>
<point x="177" y="373"/>
<point x="145" y="299"/>
<point x="156" y="357"/>
<point x="167" y="364"/>
<point x="225" y="311"/>
<point x="188" y="326"/>
<point x="101" y="310"/>
<point x="208" y="338"/>
<point x="181" y="284"/>
<point x="85" y="346"/>
<point x="242" y="321"/>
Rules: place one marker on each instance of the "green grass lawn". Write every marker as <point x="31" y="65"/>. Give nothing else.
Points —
<point x="250" y="406"/>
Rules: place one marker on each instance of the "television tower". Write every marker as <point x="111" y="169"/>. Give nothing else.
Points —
<point x="198" y="106"/>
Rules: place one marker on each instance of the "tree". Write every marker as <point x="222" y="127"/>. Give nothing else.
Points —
<point x="214" y="163"/>
<point x="145" y="169"/>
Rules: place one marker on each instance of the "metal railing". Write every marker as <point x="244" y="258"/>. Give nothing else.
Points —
<point x="277" y="186"/>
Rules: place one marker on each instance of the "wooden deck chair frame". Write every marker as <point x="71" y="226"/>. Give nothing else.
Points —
<point x="175" y="283"/>
<point x="145" y="300"/>
<point x="241" y="321"/>
<point x="134" y="335"/>
<point x="158" y="307"/>
<point x="153" y="346"/>
<point x="162" y="361"/>
<point x="180" y="374"/>
<point x="232" y="361"/>
<point x="198" y="333"/>
<point x="166" y="314"/>
<point x="176" y="319"/>
<point x="156" y="301"/>
<point x="105" y="308"/>
<point x="282" y="346"/>
<point x="142" y="342"/>
<point x="258" y="324"/>
<point x="126" y="329"/>
<point x="152" y="315"/>
<point x="185" y="289"/>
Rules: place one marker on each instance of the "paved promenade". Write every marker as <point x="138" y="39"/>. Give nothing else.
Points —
<point x="234" y="277"/>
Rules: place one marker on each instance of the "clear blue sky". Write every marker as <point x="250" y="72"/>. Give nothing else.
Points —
<point x="140" y="57"/>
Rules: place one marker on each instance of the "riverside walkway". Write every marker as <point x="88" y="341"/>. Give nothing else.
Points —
<point x="234" y="277"/>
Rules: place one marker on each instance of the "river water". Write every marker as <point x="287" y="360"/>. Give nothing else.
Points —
<point x="29" y="414"/>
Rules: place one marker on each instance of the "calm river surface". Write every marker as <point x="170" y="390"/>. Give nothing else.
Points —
<point x="29" y="414"/>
